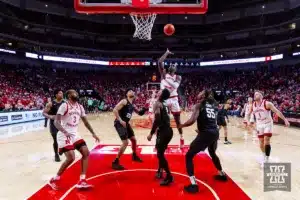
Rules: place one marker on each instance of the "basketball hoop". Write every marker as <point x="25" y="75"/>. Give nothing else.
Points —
<point x="143" y="22"/>
<point x="143" y="25"/>
<point x="142" y="12"/>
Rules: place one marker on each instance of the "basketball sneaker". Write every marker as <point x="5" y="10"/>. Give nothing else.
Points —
<point x="227" y="142"/>
<point x="53" y="183"/>
<point x="57" y="158"/>
<point x="191" y="188"/>
<point x="136" y="158"/>
<point x="82" y="184"/>
<point x="266" y="160"/>
<point x="116" y="165"/>
<point x="220" y="177"/>
<point x="159" y="174"/>
<point x="167" y="181"/>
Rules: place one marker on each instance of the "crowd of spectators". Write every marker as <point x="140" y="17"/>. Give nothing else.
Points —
<point x="28" y="88"/>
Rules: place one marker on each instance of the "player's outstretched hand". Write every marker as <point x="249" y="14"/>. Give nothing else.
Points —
<point x="169" y="52"/>
<point x="96" y="138"/>
<point x="287" y="123"/>
<point x="149" y="137"/>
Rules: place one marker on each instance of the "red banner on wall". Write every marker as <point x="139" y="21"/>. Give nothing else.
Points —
<point x="126" y="63"/>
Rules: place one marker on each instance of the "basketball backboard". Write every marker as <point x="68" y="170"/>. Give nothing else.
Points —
<point x="141" y="6"/>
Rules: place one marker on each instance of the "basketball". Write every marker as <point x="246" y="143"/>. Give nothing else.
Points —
<point x="169" y="29"/>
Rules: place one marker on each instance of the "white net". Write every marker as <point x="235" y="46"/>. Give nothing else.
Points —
<point x="143" y="25"/>
<point x="143" y="21"/>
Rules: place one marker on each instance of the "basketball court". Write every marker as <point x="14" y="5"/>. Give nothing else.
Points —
<point x="27" y="156"/>
<point x="27" y="152"/>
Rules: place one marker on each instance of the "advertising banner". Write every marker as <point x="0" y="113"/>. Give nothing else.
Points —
<point x="19" y="117"/>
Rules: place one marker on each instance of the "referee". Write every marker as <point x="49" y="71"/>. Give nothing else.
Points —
<point x="208" y="134"/>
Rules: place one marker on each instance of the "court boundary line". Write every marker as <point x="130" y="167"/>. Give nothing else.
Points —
<point x="137" y="170"/>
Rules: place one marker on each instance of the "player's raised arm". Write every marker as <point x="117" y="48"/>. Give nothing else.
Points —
<point x="193" y="117"/>
<point x="46" y="111"/>
<point x="161" y="63"/>
<point x="116" y="110"/>
<point x="271" y="106"/>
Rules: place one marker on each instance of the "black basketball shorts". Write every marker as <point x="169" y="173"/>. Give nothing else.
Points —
<point x="203" y="140"/>
<point x="124" y="133"/>
<point x="221" y="122"/>
<point x="163" y="138"/>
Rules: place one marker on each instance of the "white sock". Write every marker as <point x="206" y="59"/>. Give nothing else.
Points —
<point x="82" y="176"/>
<point x="267" y="159"/>
<point x="56" y="177"/>
<point x="193" y="180"/>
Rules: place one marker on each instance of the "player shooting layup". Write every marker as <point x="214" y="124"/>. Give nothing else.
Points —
<point x="171" y="81"/>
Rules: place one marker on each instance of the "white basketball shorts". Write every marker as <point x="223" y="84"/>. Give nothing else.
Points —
<point x="173" y="105"/>
<point x="264" y="129"/>
<point x="74" y="141"/>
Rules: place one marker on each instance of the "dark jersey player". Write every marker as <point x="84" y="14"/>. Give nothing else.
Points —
<point x="221" y="121"/>
<point x="123" y="112"/>
<point x="208" y="134"/>
<point x="164" y="131"/>
<point x="50" y="112"/>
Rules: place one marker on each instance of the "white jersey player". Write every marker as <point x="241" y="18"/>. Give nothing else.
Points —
<point x="171" y="81"/>
<point x="261" y="110"/>
<point x="68" y="139"/>
<point x="247" y="111"/>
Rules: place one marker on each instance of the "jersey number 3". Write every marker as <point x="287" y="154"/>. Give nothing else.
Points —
<point x="210" y="113"/>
